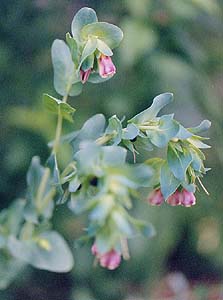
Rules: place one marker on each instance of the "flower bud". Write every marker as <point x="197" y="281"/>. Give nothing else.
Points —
<point x="94" y="250"/>
<point x="155" y="197"/>
<point x="106" y="66"/>
<point x="84" y="75"/>
<point x="110" y="260"/>
<point x="188" y="199"/>
<point x="175" y="199"/>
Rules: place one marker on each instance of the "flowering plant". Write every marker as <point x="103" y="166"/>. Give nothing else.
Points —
<point x="98" y="180"/>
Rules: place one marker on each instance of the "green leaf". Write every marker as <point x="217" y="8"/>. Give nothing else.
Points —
<point x="110" y="34"/>
<point x="195" y="141"/>
<point x="10" y="268"/>
<point x="113" y="155"/>
<point x="121" y="222"/>
<point x="130" y="132"/>
<point x="145" y="228"/>
<point x="178" y="161"/>
<point x="96" y="78"/>
<point x="88" y="63"/>
<point x="168" y="182"/>
<point x="89" y="49"/>
<point x="83" y="17"/>
<point x="64" y="69"/>
<point x="103" y="48"/>
<point x="115" y="128"/>
<point x="101" y="211"/>
<point x="55" y="105"/>
<point x="183" y="133"/>
<point x="150" y="113"/>
<point x="48" y="251"/>
<point x="156" y="164"/>
<point x="160" y="135"/>
<point x="197" y="163"/>
<point x="55" y="175"/>
<point x="39" y="195"/>
<point x="11" y="218"/>
<point x="204" y="125"/>
<point x="92" y="129"/>
<point x="73" y="48"/>
<point x="76" y="89"/>
<point x="143" y="143"/>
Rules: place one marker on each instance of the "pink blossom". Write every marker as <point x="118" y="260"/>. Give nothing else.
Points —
<point x="155" y="197"/>
<point x="175" y="199"/>
<point x="110" y="260"/>
<point x="106" y="66"/>
<point x="188" y="198"/>
<point x="84" y="75"/>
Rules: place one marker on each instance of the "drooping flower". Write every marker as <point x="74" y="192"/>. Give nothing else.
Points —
<point x="106" y="66"/>
<point x="85" y="75"/>
<point x="155" y="197"/>
<point x="175" y="199"/>
<point x="188" y="198"/>
<point x="110" y="260"/>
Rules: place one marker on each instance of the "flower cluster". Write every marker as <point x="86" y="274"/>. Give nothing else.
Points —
<point x="183" y="197"/>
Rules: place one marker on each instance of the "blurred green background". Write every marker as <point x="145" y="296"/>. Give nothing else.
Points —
<point x="169" y="45"/>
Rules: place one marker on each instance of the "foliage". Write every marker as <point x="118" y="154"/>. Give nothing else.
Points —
<point x="97" y="180"/>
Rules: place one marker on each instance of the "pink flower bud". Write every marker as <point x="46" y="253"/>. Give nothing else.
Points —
<point x="175" y="199"/>
<point x="188" y="199"/>
<point x="84" y="75"/>
<point x="106" y="66"/>
<point x="155" y="197"/>
<point x="110" y="260"/>
<point x="94" y="250"/>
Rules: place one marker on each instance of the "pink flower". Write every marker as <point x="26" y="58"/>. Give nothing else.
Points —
<point x="110" y="260"/>
<point x="155" y="197"/>
<point x="175" y="199"/>
<point x="84" y="75"/>
<point x="188" y="199"/>
<point x="106" y="66"/>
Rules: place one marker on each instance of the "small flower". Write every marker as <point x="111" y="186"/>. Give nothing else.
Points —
<point x="106" y="66"/>
<point x="188" y="199"/>
<point x="84" y="75"/>
<point x="110" y="260"/>
<point x="175" y="199"/>
<point x="155" y="197"/>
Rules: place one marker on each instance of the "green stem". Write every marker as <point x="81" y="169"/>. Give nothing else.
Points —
<point x="59" y="126"/>
<point x="42" y="187"/>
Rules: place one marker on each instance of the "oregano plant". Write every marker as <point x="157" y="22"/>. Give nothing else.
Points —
<point x="99" y="181"/>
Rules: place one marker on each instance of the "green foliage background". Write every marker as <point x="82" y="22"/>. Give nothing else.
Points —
<point x="169" y="45"/>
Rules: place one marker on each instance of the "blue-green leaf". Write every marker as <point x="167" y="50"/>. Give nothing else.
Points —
<point x="130" y="132"/>
<point x="48" y="251"/>
<point x="160" y="135"/>
<point x="115" y="128"/>
<point x="178" y="161"/>
<point x="83" y="17"/>
<point x="168" y="182"/>
<point x="203" y="126"/>
<point x="150" y="113"/>
<point x="108" y="33"/>
<point x="64" y="69"/>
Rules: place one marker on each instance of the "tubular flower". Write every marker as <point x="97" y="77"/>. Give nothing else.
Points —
<point x="175" y="199"/>
<point x="106" y="66"/>
<point x="84" y="75"/>
<point x="110" y="260"/>
<point x="155" y="197"/>
<point x="188" y="199"/>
